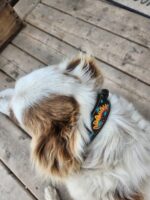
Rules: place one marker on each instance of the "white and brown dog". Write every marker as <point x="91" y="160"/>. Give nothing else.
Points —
<point x="99" y="146"/>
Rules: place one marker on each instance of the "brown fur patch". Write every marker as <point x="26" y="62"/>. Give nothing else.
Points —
<point x="134" y="197"/>
<point x="73" y="64"/>
<point x="89" y="67"/>
<point x="93" y="70"/>
<point x="138" y="197"/>
<point x="53" y="125"/>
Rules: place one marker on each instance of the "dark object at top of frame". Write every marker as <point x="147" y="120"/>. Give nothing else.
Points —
<point x="12" y="2"/>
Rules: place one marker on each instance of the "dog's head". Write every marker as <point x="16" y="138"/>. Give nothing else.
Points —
<point x="53" y="104"/>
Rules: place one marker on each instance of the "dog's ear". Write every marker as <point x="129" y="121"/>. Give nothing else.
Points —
<point x="85" y="68"/>
<point x="53" y="125"/>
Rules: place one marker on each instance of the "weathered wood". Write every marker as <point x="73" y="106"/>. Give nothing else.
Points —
<point x="10" y="188"/>
<point x="19" y="59"/>
<point x="5" y="81"/>
<point x="118" y="52"/>
<point x="47" y="50"/>
<point x="10" y="23"/>
<point x="10" y="67"/>
<point x="14" y="152"/>
<point x="30" y="39"/>
<point x="108" y="17"/>
<point x="137" y="6"/>
<point x="23" y="7"/>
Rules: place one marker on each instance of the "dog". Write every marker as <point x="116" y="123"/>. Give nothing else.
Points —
<point x="95" y="142"/>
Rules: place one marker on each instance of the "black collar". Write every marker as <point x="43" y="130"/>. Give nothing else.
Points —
<point x="99" y="114"/>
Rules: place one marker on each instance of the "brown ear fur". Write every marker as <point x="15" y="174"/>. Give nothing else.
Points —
<point x="53" y="126"/>
<point x="93" y="69"/>
<point x="135" y="197"/>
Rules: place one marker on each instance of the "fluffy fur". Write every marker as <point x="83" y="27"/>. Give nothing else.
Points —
<point x="53" y="105"/>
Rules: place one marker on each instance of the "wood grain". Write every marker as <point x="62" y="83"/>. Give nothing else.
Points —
<point x="106" y="16"/>
<point x="10" y="67"/>
<point x="21" y="61"/>
<point x="14" y="152"/>
<point x="24" y="7"/>
<point x="5" y="81"/>
<point x="9" y="186"/>
<point x="116" y="51"/>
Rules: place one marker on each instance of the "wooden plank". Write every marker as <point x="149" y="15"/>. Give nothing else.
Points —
<point x="14" y="152"/>
<point x="23" y="7"/>
<point x="12" y="58"/>
<point x="108" y="17"/>
<point x="48" y="50"/>
<point x="10" y="188"/>
<point x="31" y="38"/>
<point x="116" y="51"/>
<point x="10" y="68"/>
<point x="10" y="23"/>
<point x="5" y="81"/>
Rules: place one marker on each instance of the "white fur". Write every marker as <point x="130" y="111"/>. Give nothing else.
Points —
<point x="117" y="159"/>
<point x="51" y="193"/>
<point x="5" y="97"/>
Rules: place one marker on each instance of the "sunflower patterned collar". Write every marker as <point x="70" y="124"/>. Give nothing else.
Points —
<point x="99" y="114"/>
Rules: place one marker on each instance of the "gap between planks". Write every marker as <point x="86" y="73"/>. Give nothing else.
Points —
<point x="45" y="48"/>
<point x="24" y="7"/>
<point x="99" y="13"/>
<point x="99" y="59"/>
<point x="11" y="186"/>
<point x="128" y="57"/>
<point x="90" y="23"/>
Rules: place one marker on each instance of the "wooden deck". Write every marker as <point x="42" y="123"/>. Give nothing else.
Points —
<point x="120" y="41"/>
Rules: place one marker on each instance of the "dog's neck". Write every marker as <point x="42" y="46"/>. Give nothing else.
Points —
<point x="99" y="113"/>
<point x="94" y="113"/>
